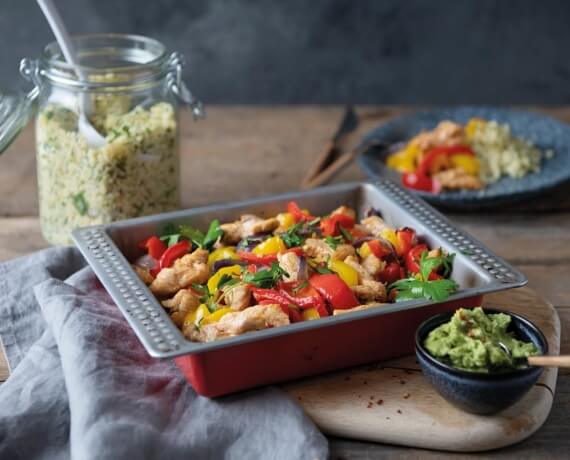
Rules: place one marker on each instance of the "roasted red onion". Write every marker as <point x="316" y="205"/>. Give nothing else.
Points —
<point x="303" y="272"/>
<point x="147" y="262"/>
<point x="226" y="263"/>
<point x="360" y="241"/>
<point x="372" y="212"/>
<point x="247" y="244"/>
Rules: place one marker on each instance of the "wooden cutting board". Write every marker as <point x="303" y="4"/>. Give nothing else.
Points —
<point x="393" y="403"/>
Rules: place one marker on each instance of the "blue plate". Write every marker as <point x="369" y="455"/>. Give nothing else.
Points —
<point x="545" y="132"/>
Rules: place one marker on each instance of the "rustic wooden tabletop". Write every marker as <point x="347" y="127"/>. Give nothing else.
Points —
<point x="242" y="152"/>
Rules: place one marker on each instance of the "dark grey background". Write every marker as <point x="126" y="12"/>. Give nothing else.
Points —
<point x="332" y="51"/>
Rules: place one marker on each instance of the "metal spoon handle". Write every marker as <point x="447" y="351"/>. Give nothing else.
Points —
<point x="550" y="361"/>
<point x="60" y="32"/>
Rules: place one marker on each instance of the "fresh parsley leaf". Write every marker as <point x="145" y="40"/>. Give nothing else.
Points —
<point x="203" y="291"/>
<point x="192" y="234"/>
<point x="212" y="235"/>
<point x="265" y="278"/>
<point x="300" y="287"/>
<point x="344" y="232"/>
<point x="436" y="290"/>
<point x="333" y="242"/>
<point x="80" y="203"/>
<point x="227" y="280"/>
<point x="323" y="270"/>
<point x="429" y="264"/>
<point x="171" y="239"/>
<point x="421" y="287"/>
<point x="291" y="237"/>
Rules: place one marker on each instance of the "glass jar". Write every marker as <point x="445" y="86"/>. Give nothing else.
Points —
<point x="130" y="90"/>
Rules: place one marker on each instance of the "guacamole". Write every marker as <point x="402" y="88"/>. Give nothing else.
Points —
<point x="469" y="341"/>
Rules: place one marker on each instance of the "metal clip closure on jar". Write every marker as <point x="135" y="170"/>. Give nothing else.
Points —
<point x="134" y="89"/>
<point x="179" y="88"/>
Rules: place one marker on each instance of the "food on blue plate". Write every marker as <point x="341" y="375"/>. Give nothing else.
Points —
<point x="455" y="157"/>
<point x="475" y="341"/>
<point x="255" y="273"/>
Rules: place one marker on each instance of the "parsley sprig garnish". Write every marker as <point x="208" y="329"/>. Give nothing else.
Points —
<point x="264" y="278"/>
<point x="172" y="235"/>
<point x="334" y="241"/>
<point x="291" y="237"/>
<point x="421" y="287"/>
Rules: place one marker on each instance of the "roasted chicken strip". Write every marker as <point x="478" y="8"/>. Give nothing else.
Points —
<point x="191" y="268"/>
<point x="237" y="297"/>
<point x="296" y="267"/>
<point x="232" y="324"/>
<point x="370" y="291"/>
<point x="181" y="304"/>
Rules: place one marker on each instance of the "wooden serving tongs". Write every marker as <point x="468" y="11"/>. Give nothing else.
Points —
<point x="335" y="155"/>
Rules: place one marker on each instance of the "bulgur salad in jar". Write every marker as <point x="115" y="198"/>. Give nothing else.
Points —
<point x="135" y="173"/>
<point x="130" y="89"/>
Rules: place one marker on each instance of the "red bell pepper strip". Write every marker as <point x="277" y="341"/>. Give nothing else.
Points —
<point x="261" y="294"/>
<point x="307" y="297"/>
<point x="297" y="213"/>
<point x="420" y="180"/>
<point x="266" y="259"/>
<point x="380" y="249"/>
<point x="424" y="168"/>
<point x="416" y="181"/>
<point x="330" y="225"/>
<point x="334" y="290"/>
<point x="153" y="246"/>
<point x="174" y="252"/>
<point x="413" y="258"/>
<point x="391" y="273"/>
<point x="406" y="240"/>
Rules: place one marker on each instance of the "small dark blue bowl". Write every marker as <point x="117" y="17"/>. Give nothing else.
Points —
<point x="476" y="392"/>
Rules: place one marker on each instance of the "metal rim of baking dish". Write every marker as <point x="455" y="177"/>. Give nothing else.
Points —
<point x="161" y="337"/>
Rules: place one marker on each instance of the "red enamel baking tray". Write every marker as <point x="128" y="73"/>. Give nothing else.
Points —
<point x="300" y="349"/>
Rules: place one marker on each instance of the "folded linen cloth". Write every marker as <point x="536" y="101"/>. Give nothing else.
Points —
<point x="83" y="387"/>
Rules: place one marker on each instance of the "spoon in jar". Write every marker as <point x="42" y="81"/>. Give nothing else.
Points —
<point x="539" y="360"/>
<point x="87" y="130"/>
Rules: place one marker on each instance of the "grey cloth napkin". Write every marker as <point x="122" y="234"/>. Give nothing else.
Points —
<point x="83" y="387"/>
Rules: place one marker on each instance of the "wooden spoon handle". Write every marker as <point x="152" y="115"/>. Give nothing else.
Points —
<point x="550" y="361"/>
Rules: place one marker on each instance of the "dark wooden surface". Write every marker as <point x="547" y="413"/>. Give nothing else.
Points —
<point x="242" y="152"/>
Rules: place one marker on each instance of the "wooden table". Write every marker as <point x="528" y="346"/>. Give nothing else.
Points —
<point x="241" y="152"/>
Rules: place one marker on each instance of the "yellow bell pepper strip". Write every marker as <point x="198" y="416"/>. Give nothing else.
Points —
<point x="472" y="126"/>
<point x="234" y="271"/>
<point x="286" y="220"/>
<point x="228" y="252"/>
<point x="310" y="314"/>
<point x="271" y="245"/>
<point x="216" y="316"/>
<point x="348" y="274"/>
<point x="195" y="318"/>
<point x="380" y="249"/>
<point x="405" y="160"/>
<point x="390" y="235"/>
<point x="468" y="163"/>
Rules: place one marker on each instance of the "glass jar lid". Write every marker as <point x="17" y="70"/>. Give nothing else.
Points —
<point x="139" y="60"/>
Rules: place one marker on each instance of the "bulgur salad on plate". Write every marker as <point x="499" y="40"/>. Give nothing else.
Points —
<point x="453" y="156"/>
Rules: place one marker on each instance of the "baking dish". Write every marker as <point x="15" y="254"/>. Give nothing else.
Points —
<point x="299" y="349"/>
